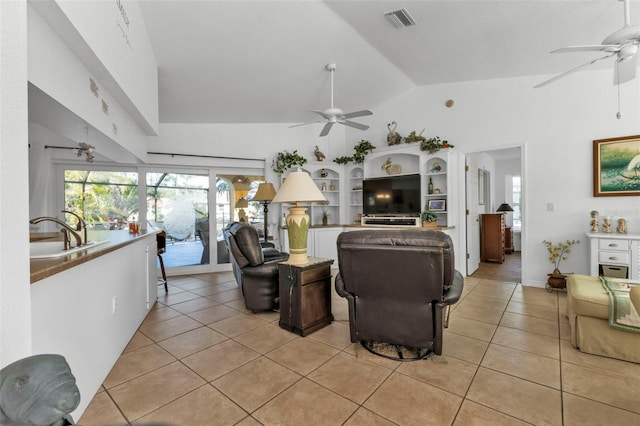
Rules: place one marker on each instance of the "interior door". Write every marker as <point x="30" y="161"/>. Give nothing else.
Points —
<point x="473" y="223"/>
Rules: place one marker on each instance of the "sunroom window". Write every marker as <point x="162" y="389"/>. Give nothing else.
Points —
<point x="105" y="199"/>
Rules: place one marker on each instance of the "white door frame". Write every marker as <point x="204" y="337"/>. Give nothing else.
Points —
<point x="462" y="218"/>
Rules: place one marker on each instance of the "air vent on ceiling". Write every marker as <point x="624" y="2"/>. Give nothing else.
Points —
<point x="400" y="18"/>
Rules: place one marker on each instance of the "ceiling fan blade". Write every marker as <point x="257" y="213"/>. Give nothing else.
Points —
<point x="357" y="114"/>
<point x="625" y="70"/>
<point x="354" y="124"/>
<point x="571" y="71"/>
<point x="326" y="128"/>
<point x="322" y="113"/>
<point x="589" y="48"/>
<point x="304" y="124"/>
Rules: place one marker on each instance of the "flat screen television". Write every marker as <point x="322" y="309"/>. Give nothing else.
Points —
<point x="392" y="196"/>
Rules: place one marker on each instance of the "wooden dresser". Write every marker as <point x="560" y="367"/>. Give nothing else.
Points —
<point x="492" y="234"/>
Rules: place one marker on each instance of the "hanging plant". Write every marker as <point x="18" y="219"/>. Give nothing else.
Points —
<point x="360" y="151"/>
<point x="343" y="160"/>
<point x="285" y="160"/>
<point x="434" y="144"/>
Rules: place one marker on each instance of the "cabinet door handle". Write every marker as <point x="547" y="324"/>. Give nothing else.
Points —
<point x="613" y="258"/>
<point x="613" y="245"/>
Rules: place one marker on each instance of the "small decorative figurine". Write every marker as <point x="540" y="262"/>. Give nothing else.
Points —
<point x="38" y="390"/>
<point x="622" y="226"/>
<point x="319" y="155"/>
<point x="594" y="221"/>
<point x="606" y="224"/>
<point x="436" y="167"/>
<point x="323" y="173"/>
<point x="393" y="138"/>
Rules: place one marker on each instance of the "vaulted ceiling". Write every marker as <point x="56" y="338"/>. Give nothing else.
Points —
<point x="262" y="61"/>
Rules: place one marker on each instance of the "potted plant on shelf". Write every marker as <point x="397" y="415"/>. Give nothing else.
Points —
<point x="429" y="219"/>
<point x="558" y="253"/>
<point x="325" y="215"/>
<point x="285" y="160"/>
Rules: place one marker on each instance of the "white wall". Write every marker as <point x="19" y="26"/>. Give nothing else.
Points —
<point x="63" y="77"/>
<point x="110" y="38"/>
<point x="73" y="312"/>
<point x="556" y="124"/>
<point x="15" y="304"/>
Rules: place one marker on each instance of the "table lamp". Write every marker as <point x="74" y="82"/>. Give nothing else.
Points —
<point x="265" y="193"/>
<point x="298" y="188"/>
<point x="241" y="204"/>
<point x="504" y="208"/>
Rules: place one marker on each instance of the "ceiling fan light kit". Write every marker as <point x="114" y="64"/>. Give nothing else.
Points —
<point x="335" y="115"/>
<point x="622" y="43"/>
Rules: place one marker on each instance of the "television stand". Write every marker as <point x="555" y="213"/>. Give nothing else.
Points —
<point x="391" y="221"/>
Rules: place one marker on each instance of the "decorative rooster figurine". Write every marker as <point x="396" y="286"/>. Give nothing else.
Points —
<point x="319" y="155"/>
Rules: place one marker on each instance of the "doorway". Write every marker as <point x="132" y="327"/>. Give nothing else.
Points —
<point x="487" y="186"/>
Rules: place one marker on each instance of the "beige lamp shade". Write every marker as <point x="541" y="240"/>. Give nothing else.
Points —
<point x="242" y="203"/>
<point x="265" y="192"/>
<point x="297" y="188"/>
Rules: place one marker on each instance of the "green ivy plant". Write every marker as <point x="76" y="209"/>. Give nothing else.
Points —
<point x="360" y="151"/>
<point x="434" y="144"/>
<point x="428" y="216"/>
<point x="343" y="160"/>
<point x="286" y="160"/>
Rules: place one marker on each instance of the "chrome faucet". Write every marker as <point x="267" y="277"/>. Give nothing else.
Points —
<point x="80" y="226"/>
<point x="79" y="234"/>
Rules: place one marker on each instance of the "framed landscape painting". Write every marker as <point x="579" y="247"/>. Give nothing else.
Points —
<point x="616" y="166"/>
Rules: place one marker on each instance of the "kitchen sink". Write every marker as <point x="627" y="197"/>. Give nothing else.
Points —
<point x="50" y="249"/>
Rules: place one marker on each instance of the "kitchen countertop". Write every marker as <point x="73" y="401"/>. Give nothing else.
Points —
<point x="43" y="268"/>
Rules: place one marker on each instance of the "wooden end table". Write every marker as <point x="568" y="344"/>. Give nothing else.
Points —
<point x="305" y="295"/>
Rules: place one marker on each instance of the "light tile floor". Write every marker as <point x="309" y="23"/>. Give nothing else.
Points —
<point x="200" y="358"/>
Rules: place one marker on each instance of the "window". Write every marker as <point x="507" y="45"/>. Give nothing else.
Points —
<point x="516" y="202"/>
<point x="178" y="203"/>
<point x="105" y="199"/>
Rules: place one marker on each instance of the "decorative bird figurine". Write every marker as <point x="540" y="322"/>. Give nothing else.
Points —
<point x="319" y="155"/>
<point x="393" y="138"/>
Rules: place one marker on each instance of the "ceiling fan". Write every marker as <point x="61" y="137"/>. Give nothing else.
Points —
<point x="622" y="43"/>
<point x="335" y="115"/>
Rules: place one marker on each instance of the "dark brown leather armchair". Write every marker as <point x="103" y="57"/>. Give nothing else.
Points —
<point x="398" y="284"/>
<point x="255" y="273"/>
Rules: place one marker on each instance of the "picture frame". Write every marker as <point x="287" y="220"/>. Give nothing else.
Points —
<point x="437" y="205"/>
<point x="616" y="167"/>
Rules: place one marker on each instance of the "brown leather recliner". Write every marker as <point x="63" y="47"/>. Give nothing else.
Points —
<point x="254" y="267"/>
<point x="398" y="284"/>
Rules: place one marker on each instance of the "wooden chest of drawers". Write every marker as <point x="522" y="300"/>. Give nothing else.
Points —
<point x="492" y="237"/>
